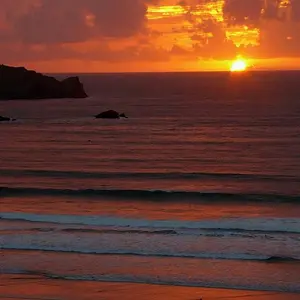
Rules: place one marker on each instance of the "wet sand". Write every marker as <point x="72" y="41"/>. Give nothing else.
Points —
<point x="38" y="287"/>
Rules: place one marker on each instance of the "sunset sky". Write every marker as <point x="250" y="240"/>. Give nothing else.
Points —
<point x="149" y="35"/>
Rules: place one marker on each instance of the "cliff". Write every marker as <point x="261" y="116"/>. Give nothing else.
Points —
<point x="20" y="83"/>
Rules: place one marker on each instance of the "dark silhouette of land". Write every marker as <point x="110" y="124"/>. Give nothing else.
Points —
<point x="20" y="83"/>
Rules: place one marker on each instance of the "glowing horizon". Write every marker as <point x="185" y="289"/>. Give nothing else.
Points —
<point x="239" y="65"/>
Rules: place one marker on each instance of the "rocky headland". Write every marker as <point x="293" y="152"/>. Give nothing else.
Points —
<point x="20" y="83"/>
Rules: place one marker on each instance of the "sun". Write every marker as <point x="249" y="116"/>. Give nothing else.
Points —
<point x="239" y="65"/>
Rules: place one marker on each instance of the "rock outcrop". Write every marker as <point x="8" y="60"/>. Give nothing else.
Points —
<point x="20" y="83"/>
<point x="110" y="114"/>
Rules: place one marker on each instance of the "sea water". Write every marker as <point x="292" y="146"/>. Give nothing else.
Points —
<point x="200" y="186"/>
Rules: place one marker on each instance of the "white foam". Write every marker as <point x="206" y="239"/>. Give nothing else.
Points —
<point x="248" y="224"/>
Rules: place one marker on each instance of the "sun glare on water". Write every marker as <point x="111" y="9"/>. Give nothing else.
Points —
<point x="239" y="65"/>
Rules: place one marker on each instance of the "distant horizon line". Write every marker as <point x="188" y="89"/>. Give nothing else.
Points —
<point x="174" y="71"/>
<point x="250" y="70"/>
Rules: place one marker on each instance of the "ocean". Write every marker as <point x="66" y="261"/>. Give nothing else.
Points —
<point x="199" y="187"/>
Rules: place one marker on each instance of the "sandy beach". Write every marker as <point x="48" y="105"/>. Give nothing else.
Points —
<point x="37" y="287"/>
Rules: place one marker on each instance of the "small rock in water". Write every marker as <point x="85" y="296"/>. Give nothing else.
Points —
<point x="110" y="114"/>
<point x="5" y="119"/>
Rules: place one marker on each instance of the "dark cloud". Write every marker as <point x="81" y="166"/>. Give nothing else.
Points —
<point x="52" y="22"/>
<point x="243" y="11"/>
<point x="68" y="21"/>
<point x="279" y="39"/>
<point x="295" y="7"/>
<point x="253" y="11"/>
<point x="115" y="18"/>
<point x="271" y="10"/>
<point x="18" y="53"/>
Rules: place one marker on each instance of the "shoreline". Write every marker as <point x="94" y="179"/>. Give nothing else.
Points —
<point x="38" y="287"/>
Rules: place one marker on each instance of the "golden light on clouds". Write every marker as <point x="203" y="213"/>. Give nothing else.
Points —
<point x="205" y="11"/>
<point x="210" y="10"/>
<point x="243" y="35"/>
<point x="197" y="25"/>
<point x="161" y="12"/>
<point x="284" y="3"/>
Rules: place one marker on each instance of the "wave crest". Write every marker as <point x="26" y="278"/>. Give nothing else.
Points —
<point x="161" y="195"/>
